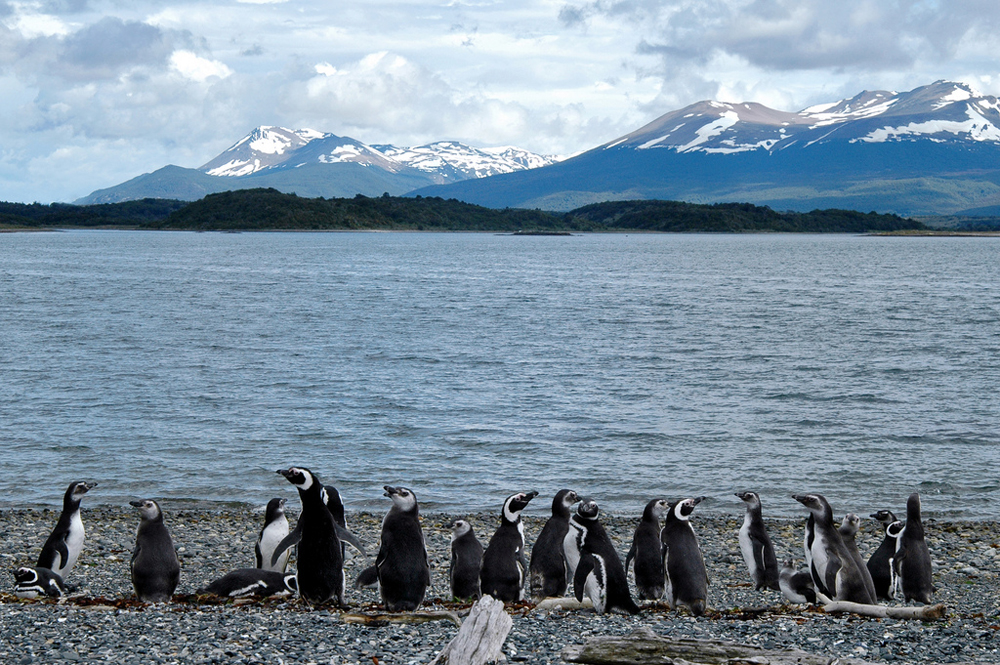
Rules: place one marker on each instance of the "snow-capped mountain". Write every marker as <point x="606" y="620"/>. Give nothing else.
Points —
<point x="941" y="112"/>
<point x="445" y="161"/>
<point x="932" y="150"/>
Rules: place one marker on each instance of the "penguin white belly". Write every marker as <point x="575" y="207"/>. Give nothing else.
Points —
<point x="821" y="560"/>
<point x="269" y="540"/>
<point x="596" y="585"/>
<point x="746" y="547"/>
<point x="571" y="549"/>
<point x="74" y="545"/>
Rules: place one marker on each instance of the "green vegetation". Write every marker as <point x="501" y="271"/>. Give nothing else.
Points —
<point x="269" y="209"/>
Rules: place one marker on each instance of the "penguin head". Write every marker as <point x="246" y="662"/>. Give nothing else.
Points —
<point x="752" y="499"/>
<point x="850" y="524"/>
<point x="459" y="528"/>
<point x="883" y="517"/>
<point x="682" y="509"/>
<point x="913" y="507"/>
<point x="78" y="489"/>
<point x="563" y="501"/>
<point x="816" y="504"/>
<point x="301" y="478"/>
<point x="655" y="510"/>
<point x="26" y="575"/>
<point x="515" y="503"/>
<point x="588" y="508"/>
<point x="788" y="564"/>
<point x="275" y="509"/>
<point x="402" y="498"/>
<point x="149" y="511"/>
<point x="895" y="530"/>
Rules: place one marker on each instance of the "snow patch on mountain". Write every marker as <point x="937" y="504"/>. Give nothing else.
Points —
<point x="977" y="128"/>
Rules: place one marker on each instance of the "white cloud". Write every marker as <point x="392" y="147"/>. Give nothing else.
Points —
<point x="192" y="66"/>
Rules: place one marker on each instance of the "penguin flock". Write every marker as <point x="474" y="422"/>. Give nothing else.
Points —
<point x="572" y="551"/>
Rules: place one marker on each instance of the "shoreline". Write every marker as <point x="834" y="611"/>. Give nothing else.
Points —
<point x="210" y="543"/>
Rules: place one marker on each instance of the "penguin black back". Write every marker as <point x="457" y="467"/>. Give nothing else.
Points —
<point x="848" y="531"/>
<point x="647" y="552"/>
<point x="466" y="561"/>
<point x="401" y="569"/>
<point x="547" y="569"/>
<point x="878" y="563"/>
<point x="912" y="560"/>
<point x="154" y="566"/>
<point x="320" y="562"/>
<point x="63" y="546"/>
<point x="504" y="566"/>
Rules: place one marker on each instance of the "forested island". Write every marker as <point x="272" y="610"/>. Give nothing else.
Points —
<point x="271" y="210"/>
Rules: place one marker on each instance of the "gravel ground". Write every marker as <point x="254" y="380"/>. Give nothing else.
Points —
<point x="103" y="623"/>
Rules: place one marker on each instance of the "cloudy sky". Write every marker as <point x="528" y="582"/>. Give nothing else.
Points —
<point x="94" y="92"/>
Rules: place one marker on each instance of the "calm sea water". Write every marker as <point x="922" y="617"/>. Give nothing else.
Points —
<point x="189" y="367"/>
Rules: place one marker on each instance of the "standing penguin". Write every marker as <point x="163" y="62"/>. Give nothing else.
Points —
<point x="687" y="579"/>
<point x="401" y="570"/>
<point x="547" y="569"/>
<point x="834" y="571"/>
<point x="586" y="513"/>
<point x="64" y="544"/>
<point x="502" y="575"/>
<point x="796" y="586"/>
<point x="274" y="531"/>
<point x="155" y="568"/>
<point x="466" y="560"/>
<point x="647" y="552"/>
<point x="848" y="530"/>
<point x="755" y="544"/>
<point x="878" y="564"/>
<point x="335" y="504"/>
<point x="599" y="573"/>
<point x="320" y="564"/>
<point x="912" y="561"/>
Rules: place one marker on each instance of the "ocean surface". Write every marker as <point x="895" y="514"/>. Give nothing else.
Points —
<point x="188" y="367"/>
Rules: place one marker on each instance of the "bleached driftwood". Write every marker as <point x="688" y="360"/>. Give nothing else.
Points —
<point x="923" y="612"/>
<point x="481" y="637"/>
<point x="564" y="603"/>
<point x="644" y="647"/>
<point x="381" y="619"/>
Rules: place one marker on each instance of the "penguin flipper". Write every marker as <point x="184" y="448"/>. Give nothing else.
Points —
<point x="258" y="556"/>
<point x="54" y="547"/>
<point x="631" y="555"/>
<point x="367" y="577"/>
<point x="286" y="543"/>
<point x="583" y="569"/>
<point x="349" y="538"/>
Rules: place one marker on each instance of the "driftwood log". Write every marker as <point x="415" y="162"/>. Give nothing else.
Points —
<point x="384" y="619"/>
<point x="481" y="637"/>
<point x="644" y="647"/>
<point x="923" y="612"/>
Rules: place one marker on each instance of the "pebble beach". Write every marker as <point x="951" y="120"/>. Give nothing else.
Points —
<point x="101" y="621"/>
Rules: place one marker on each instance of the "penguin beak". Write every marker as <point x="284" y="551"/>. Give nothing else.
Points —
<point x="800" y="498"/>
<point x="389" y="490"/>
<point x="88" y="486"/>
<point x="135" y="504"/>
<point x="698" y="499"/>
<point x="284" y="472"/>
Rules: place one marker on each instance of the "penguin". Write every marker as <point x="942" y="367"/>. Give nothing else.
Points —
<point x="64" y="544"/>
<point x="848" y="530"/>
<point x="599" y="573"/>
<point x="647" y="552"/>
<point x="878" y="564"/>
<point x="247" y="582"/>
<point x="335" y="504"/>
<point x="39" y="581"/>
<point x="755" y="544"/>
<point x="796" y="585"/>
<point x="834" y="571"/>
<point x="912" y="560"/>
<point x="687" y="579"/>
<point x="401" y="570"/>
<point x="547" y="568"/>
<point x="319" y="563"/>
<point x="502" y="574"/>
<point x="586" y="512"/>
<point x="894" y="531"/>
<point x="275" y="529"/>
<point x="155" y="568"/>
<point x="466" y="560"/>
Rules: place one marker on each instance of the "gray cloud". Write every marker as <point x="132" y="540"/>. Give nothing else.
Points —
<point x="111" y="46"/>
